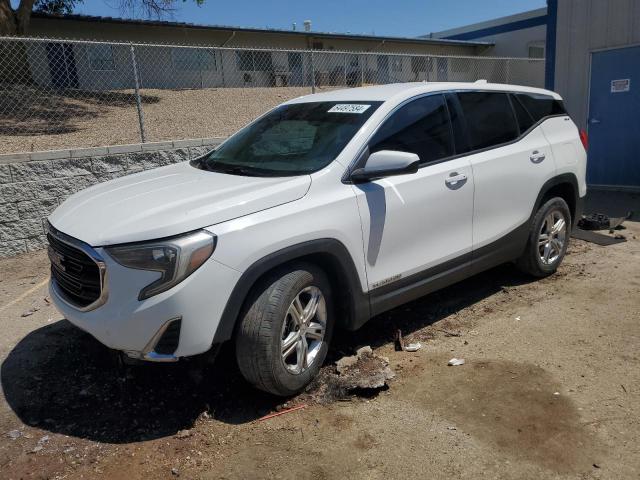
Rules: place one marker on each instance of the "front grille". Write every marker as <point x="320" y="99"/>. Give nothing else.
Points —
<point x="75" y="273"/>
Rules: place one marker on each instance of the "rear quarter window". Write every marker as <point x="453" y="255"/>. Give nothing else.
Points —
<point x="541" y="106"/>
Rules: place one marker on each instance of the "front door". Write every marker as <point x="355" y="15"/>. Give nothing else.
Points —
<point x="383" y="69"/>
<point x="614" y="118"/>
<point x="417" y="223"/>
<point x="295" y="68"/>
<point x="62" y="65"/>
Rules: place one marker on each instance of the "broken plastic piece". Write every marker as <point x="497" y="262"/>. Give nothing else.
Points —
<point x="454" y="362"/>
<point x="413" y="347"/>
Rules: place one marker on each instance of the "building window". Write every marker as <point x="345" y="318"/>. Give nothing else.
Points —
<point x="101" y="57"/>
<point x="419" y="64"/>
<point x="396" y="64"/>
<point x="460" y="65"/>
<point x="536" y="51"/>
<point x="189" y="59"/>
<point x="254" y="61"/>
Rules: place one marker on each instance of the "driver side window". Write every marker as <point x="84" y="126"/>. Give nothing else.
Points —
<point x="420" y="127"/>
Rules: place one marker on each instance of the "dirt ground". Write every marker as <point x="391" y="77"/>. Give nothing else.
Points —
<point x="550" y="389"/>
<point x="37" y="120"/>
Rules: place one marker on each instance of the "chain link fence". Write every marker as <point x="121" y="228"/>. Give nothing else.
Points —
<point x="67" y="94"/>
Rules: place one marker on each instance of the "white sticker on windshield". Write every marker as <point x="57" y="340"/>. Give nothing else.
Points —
<point x="349" y="108"/>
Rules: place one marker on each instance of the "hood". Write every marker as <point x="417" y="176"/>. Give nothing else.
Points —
<point x="168" y="201"/>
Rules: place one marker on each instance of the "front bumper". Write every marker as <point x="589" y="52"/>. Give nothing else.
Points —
<point x="134" y="327"/>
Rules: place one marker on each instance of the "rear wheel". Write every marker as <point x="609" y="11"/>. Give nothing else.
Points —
<point x="285" y="330"/>
<point x="548" y="239"/>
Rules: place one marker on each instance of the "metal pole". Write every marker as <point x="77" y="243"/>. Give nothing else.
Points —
<point x="313" y="75"/>
<point x="361" y="61"/>
<point x="222" y="66"/>
<point x="138" y="100"/>
<point x="345" y="69"/>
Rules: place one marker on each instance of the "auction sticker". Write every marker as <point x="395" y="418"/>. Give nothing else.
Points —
<point x="348" y="108"/>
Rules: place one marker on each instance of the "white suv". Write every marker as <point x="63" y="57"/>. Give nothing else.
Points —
<point x="325" y="211"/>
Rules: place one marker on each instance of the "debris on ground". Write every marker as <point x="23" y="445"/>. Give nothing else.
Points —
<point x="184" y="433"/>
<point x="14" y="434"/>
<point x="30" y="312"/>
<point x="413" y="347"/>
<point x="364" y="370"/>
<point x="597" y="238"/>
<point x="281" y="412"/>
<point x="594" y="221"/>
<point x="449" y="333"/>
<point x="455" y="362"/>
<point x="399" y="341"/>
<point x="600" y="221"/>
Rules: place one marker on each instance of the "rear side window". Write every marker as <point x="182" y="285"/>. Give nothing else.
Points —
<point x="540" y="106"/>
<point x="489" y="118"/>
<point x="420" y="127"/>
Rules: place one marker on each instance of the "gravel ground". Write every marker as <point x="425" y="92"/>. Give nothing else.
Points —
<point x="50" y="122"/>
<point x="550" y="389"/>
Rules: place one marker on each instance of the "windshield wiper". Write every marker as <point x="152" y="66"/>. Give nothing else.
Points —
<point x="230" y="169"/>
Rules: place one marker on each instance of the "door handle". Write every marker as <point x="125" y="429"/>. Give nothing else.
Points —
<point x="537" y="157"/>
<point x="455" y="180"/>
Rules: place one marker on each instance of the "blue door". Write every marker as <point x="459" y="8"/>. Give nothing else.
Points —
<point x="614" y="118"/>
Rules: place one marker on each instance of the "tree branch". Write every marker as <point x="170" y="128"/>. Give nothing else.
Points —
<point x="151" y="8"/>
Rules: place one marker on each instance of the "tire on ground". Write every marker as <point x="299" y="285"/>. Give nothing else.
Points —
<point x="530" y="261"/>
<point x="258" y="337"/>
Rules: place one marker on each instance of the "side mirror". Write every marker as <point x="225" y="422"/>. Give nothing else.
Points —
<point x="386" y="163"/>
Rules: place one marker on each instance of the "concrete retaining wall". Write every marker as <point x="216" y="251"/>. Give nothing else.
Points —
<point x="32" y="185"/>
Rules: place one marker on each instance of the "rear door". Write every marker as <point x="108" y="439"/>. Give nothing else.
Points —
<point x="511" y="160"/>
<point x="415" y="224"/>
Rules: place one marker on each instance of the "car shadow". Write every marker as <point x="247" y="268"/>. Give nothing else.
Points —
<point x="62" y="380"/>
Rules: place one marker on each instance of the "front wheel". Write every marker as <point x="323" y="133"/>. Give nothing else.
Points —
<point x="548" y="239"/>
<point x="285" y="330"/>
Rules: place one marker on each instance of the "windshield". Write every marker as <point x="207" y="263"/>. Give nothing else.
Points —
<point x="291" y="140"/>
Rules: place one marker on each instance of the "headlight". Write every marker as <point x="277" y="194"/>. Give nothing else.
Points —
<point x="175" y="258"/>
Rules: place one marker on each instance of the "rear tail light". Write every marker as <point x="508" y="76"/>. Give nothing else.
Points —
<point x="584" y="138"/>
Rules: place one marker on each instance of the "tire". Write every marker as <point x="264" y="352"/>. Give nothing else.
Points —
<point x="270" y="317"/>
<point x="542" y="259"/>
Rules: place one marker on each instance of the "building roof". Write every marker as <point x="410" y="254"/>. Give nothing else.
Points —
<point x="228" y="28"/>
<point x="519" y="21"/>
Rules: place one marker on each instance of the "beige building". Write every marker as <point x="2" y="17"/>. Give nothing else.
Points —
<point x="167" y="55"/>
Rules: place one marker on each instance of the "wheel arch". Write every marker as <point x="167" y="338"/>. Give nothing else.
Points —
<point x="564" y="186"/>
<point x="328" y="254"/>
